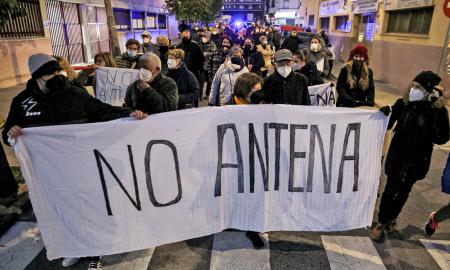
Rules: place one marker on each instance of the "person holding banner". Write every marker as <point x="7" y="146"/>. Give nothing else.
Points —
<point x="318" y="53"/>
<point x="421" y="121"/>
<point x="87" y="77"/>
<point x="130" y="58"/>
<point x="153" y="92"/>
<point x="307" y="68"/>
<point x="50" y="99"/>
<point x="284" y="86"/>
<point x="355" y="85"/>
<point x="188" y="88"/>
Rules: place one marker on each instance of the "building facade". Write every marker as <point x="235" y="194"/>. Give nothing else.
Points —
<point x="244" y="10"/>
<point x="403" y="36"/>
<point x="284" y="12"/>
<point x="76" y="30"/>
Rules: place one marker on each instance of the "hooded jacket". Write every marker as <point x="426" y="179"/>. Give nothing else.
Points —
<point x="65" y="103"/>
<point x="355" y="90"/>
<point x="161" y="96"/>
<point x="193" y="56"/>
<point x="188" y="89"/>
<point x="420" y="125"/>
<point x="309" y="70"/>
<point x="223" y="85"/>
<point x="290" y="90"/>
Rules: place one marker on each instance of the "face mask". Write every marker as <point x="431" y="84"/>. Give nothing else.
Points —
<point x="58" y="82"/>
<point x="172" y="63"/>
<point x="358" y="64"/>
<point x="146" y="40"/>
<point x="267" y="33"/>
<point x="315" y="47"/>
<point x="415" y="94"/>
<point x="131" y="53"/>
<point x="214" y="32"/>
<point x="284" y="70"/>
<point x="294" y="35"/>
<point x="204" y="40"/>
<point x="296" y="67"/>
<point x="42" y="85"/>
<point x="248" y="47"/>
<point x="145" y="75"/>
<point x="196" y="28"/>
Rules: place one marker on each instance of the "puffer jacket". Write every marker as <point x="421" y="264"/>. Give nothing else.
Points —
<point x="223" y="85"/>
<point x="420" y="125"/>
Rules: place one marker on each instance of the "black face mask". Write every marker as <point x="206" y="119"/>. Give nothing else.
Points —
<point x="58" y="82"/>
<point x="247" y="47"/>
<point x="357" y="66"/>
<point x="238" y="61"/>
<point x="163" y="49"/>
<point x="186" y="41"/>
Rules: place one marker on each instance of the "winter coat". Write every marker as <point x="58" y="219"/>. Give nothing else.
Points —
<point x="217" y="39"/>
<point x="254" y="58"/>
<point x="223" y="85"/>
<point x="149" y="48"/>
<point x="124" y="61"/>
<point x="420" y="125"/>
<point x="309" y="70"/>
<point x="193" y="56"/>
<point x="66" y="104"/>
<point x="208" y="49"/>
<point x="188" y="88"/>
<point x="276" y="39"/>
<point x="363" y="91"/>
<point x="291" y="43"/>
<point x="161" y="96"/>
<point x="267" y="54"/>
<point x="317" y="56"/>
<point x="290" y="90"/>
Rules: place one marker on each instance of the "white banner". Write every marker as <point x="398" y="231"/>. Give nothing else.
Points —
<point x="124" y="185"/>
<point x="399" y="4"/>
<point x="322" y="95"/>
<point x="332" y="7"/>
<point x="365" y="6"/>
<point x="112" y="84"/>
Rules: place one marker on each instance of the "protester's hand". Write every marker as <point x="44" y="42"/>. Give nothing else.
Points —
<point x="142" y="85"/>
<point x="386" y="110"/>
<point x="250" y="66"/>
<point x="139" y="115"/>
<point x="94" y="66"/>
<point x="15" y="132"/>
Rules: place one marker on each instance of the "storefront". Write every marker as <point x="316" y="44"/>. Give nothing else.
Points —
<point x="365" y="21"/>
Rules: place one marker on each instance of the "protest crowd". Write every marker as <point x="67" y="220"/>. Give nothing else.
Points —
<point x="230" y="65"/>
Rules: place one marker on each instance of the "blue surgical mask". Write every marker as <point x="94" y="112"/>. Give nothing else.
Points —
<point x="131" y="53"/>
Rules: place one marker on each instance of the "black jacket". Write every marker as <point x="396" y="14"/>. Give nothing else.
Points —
<point x="312" y="74"/>
<point x="348" y="97"/>
<point x="65" y="103"/>
<point x="161" y="96"/>
<point x="290" y="90"/>
<point x="291" y="43"/>
<point x="420" y="124"/>
<point x="193" y="56"/>
<point x="254" y="58"/>
<point x="188" y="89"/>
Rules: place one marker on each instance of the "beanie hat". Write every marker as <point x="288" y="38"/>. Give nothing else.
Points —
<point x="42" y="64"/>
<point x="360" y="50"/>
<point x="428" y="80"/>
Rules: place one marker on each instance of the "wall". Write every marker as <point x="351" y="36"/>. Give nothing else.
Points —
<point x="307" y="8"/>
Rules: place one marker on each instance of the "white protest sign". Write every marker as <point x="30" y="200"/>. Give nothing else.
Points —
<point x="112" y="84"/>
<point x="322" y="95"/>
<point x="320" y="64"/>
<point x="124" y="185"/>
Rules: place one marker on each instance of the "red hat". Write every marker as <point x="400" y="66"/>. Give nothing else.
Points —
<point x="360" y="50"/>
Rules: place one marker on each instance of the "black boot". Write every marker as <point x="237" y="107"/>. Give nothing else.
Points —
<point x="256" y="240"/>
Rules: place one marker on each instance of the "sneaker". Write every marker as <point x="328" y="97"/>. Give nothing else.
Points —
<point x="377" y="232"/>
<point x="431" y="225"/>
<point x="392" y="229"/>
<point x="256" y="240"/>
<point x="68" y="262"/>
<point x="95" y="263"/>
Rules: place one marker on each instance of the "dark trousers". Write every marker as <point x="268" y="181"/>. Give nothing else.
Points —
<point x="204" y="77"/>
<point x="394" y="198"/>
<point x="8" y="185"/>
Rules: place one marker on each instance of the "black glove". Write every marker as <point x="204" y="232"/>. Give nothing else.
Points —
<point x="386" y="110"/>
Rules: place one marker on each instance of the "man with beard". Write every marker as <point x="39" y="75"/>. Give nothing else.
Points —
<point x="252" y="57"/>
<point x="194" y="58"/>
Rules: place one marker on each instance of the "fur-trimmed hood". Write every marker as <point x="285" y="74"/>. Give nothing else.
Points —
<point x="437" y="99"/>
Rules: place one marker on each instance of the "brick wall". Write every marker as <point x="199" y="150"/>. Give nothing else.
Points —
<point x="14" y="59"/>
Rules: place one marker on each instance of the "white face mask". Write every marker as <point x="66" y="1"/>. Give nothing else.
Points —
<point x="315" y="47"/>
<point x="145" y="75"/>
<point x="284" y="70"/>
<point x="214" y="32"/>
<point x="204" y="40"/>
<point x="416" y="94"/>
<point x="42" y="85"/>
<point x="172" y="63"/>
<point x="146" y="40"/>
<point x="296" y="67"/>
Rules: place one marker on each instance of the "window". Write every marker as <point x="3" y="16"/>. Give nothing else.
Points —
<point x="416" y="21"/>
<point x="151" y="21"/>
<point x="162" y="21"/>
<point x="97" y="30"/>
<point x="122" y="18"/>
<point x="272" y="4"/>
<point x="27" y="26"/>
<point x="343" y="24"/>
<point x="286" y="4"/>
<point x="325" y="23"/>
<point x="138" y="20"/>
<point x="311" y="20"/>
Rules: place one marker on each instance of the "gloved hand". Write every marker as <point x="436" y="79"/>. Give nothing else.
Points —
<point x="386" y="110"/>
